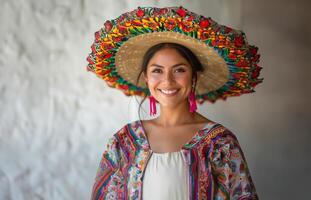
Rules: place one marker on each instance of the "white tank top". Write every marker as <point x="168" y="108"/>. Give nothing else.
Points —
<point x="166" y="177"/>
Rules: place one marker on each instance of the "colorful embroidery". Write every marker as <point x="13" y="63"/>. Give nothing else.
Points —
<point x="217" y="166"/>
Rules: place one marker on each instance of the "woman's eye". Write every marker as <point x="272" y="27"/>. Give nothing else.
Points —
<point x="180" y="70"/>
<point x="156" y="70"/>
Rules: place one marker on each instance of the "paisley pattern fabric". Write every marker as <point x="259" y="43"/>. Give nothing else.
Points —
<point x="217" y="166"/>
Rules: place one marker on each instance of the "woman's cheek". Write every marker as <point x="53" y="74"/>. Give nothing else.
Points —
<point x="183" y="78"/>
<point x="154" y="79"/>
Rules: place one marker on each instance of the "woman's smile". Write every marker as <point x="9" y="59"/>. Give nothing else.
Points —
<point x="169" y="92"/>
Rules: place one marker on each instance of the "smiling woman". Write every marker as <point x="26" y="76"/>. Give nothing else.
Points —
<point x="176" y="58"/>
<point x="170" y="70"/>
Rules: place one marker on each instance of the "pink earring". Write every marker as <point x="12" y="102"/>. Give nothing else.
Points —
<point x="192" y="102"/>
<point x="152" y="105"/>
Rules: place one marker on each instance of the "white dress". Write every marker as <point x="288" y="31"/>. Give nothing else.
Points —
<point x="166" y="177"/>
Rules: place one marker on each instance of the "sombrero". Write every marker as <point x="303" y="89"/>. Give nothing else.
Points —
<point x="230" y="63"/>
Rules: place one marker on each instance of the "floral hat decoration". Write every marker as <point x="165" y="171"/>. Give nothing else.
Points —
<point x="230" y="63"/>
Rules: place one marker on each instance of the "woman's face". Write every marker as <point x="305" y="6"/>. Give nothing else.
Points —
<point x="169" y="77"/>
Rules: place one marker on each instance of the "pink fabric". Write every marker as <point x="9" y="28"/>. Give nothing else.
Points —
<point x="153" y="107"/>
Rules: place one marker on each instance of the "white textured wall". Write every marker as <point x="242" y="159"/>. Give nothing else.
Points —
<point x="55" y="118"/>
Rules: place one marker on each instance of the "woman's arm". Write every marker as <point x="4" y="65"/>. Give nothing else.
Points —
<point x="109" y="180"/>
<point x="230" y="170"/>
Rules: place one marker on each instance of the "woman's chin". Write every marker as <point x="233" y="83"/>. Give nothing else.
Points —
<point x="170" y="103"/>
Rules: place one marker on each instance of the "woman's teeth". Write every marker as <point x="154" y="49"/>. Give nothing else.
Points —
<point x="169" y="91"/>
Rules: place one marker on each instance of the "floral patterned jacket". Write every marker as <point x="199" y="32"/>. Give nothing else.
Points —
<point x="217" y="166"/>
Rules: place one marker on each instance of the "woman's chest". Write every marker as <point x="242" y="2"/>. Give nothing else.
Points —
<point x="163" y="140"/>
<point x="173" y="141"/>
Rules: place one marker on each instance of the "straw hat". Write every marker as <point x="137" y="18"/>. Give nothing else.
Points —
<point x="230" y="63"/>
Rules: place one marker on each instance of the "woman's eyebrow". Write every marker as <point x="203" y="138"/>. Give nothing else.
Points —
<point x="176" y="65"/>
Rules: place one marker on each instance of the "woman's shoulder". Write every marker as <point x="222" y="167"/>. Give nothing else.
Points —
<point x="130" y="134"/>
<point x="217" y="132"/>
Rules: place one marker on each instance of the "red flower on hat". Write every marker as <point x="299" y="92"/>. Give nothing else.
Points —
<point x="97" y="36"/>
<point x="256" y="58"/>
<point x="156" y="13"/>
<point x="190" y="18"/>
<point x="120" y="19"/>
<point x="204" y="23"/>
<point x="140" y="12"/>
<point x="253" y="50"/>
<point x="253" y="84"/>
<point x="122" y="29"/>
<point x="239" y="41"/>
<point x="163" y="11"/>
<point x="108" y="26"/>
<point x="228" y="29"/>
<point x="181" y="12"/>
<point x="256" y="72"/>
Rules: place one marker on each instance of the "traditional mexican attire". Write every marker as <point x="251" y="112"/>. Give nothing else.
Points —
<point x="213" y="161"/>
<point x="211" y="165"/>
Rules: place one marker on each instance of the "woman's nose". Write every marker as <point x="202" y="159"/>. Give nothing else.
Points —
<point x="169" y="77"/>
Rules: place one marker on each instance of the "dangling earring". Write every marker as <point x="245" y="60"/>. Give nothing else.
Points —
<point x="152" y="105"/>
<point x="192" y="101"/>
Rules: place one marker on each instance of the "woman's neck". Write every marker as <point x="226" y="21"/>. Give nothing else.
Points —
<point x="174" y="116"/>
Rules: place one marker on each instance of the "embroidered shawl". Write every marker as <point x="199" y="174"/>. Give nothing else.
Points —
<point x="217" y="166"/>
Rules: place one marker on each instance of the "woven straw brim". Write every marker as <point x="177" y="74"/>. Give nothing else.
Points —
<point x="130" y="55"/>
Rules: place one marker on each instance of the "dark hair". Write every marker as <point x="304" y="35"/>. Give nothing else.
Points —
<point x="182" y="50"/>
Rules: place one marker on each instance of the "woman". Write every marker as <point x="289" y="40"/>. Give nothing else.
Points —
<point x="180" y="154"/>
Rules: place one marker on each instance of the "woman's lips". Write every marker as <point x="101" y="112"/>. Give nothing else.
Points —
<point x="169" y="92"/>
